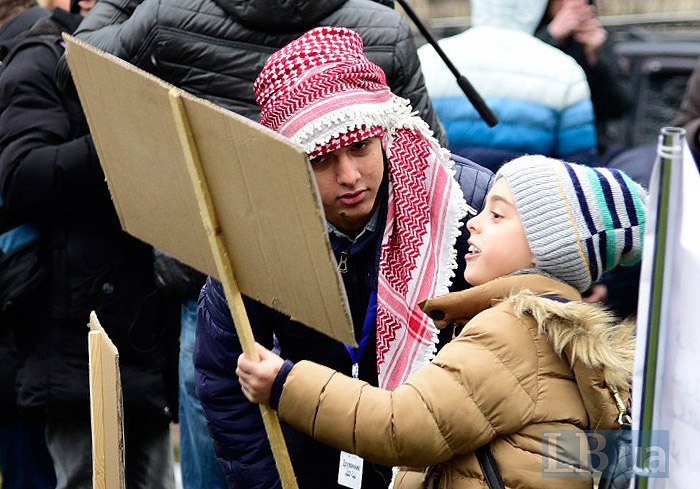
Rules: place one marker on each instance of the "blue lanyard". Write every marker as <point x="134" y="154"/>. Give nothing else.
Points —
<point x="367" y="327"/>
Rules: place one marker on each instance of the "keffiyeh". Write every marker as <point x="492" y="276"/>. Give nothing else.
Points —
<point x="322" y="92"/>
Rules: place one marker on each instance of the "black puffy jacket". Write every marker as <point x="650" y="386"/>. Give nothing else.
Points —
<point x="13" y="31"/>
<point x="50" y="175"/>
<point x="216" y="48"/>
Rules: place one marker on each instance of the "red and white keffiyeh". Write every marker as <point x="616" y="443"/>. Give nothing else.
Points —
<point x="323" y="93"/>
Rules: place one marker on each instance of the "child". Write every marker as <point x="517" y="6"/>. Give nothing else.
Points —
<point x="531" y="358"/>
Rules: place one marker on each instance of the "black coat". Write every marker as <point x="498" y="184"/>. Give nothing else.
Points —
<point x="216" y="48"/>
<point x="13" y="31"/>
<point x="50" y="175"/>
<point x="236" y="425"/>
<point x="11" y="34"/>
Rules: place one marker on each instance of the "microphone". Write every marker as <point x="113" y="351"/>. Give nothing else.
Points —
<point x="481" y="107"/>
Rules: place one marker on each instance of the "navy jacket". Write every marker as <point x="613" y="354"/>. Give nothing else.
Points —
<point x="236" y="426"/>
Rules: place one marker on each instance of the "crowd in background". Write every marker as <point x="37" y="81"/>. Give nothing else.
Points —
<point x="546" y="68"/>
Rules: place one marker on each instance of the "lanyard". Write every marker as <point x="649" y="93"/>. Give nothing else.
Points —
<point x="369" y="324"/>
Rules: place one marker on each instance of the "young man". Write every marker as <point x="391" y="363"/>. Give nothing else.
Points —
<point x="393" y="209"/>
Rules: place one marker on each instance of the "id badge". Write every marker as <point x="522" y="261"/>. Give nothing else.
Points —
<point x="350" y="470"/>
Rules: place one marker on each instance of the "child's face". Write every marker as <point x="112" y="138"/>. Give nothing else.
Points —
<point x="348" y="180"/>
<point x="497" y="245"/>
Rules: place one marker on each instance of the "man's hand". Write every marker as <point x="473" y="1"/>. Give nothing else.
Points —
<point x="571" y="15"/>
<point x="257" y="377"/>
<point x="592" y="36"/>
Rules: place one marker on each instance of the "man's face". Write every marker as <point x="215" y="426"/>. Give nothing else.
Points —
<point x="348" y="180"/>
<point x="498" y="244"/>
<point x="86" y="6"/>
<point x="63" y="4"/>
<point x="554" y="7"/>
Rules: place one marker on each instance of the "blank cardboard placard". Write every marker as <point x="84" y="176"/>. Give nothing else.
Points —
<point x="262" y="187"/>
<point x="106" y="409"/>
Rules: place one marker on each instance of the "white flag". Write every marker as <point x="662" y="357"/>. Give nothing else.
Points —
<point x="675" y="394"/>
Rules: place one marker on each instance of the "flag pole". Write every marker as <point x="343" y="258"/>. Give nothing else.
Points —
<point x="670" y="144"/>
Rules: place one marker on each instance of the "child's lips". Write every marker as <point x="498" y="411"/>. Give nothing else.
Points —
<point x="474" y="252"/>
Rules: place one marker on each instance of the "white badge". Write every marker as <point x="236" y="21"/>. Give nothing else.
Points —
<point x="350" y="470"/>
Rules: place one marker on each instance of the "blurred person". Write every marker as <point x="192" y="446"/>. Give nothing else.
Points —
<point x="215" y="49"/>
<point x="393" y="202"/>
<point x="619" y="289"/>
<point x="688" y="116"/>
<point x="24" y="459"/>
<point x="16" y="17"/>
<point x="539" y="94"/>
<point x="50" y="176"/>
<point x="199" y="466"/>
<point x="572" y="26"/>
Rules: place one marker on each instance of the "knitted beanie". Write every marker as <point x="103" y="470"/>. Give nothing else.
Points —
<point x="579" y="221"/>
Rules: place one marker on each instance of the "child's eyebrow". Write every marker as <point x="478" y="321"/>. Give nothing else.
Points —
<point x="498" y="198"/>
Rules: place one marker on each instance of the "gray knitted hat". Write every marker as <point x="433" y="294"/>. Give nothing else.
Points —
<point x="579" y="221"/>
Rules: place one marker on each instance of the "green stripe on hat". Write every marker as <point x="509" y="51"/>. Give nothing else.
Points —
<point x="602" y="205"/>
<point x="640" y="210"/>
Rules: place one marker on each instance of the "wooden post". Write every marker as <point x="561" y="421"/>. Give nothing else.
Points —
<point x="228" y="279"/>
<point x="106" y="411"/>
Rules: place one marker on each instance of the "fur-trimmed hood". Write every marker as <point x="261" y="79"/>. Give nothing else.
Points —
<point x="599" y="349"/>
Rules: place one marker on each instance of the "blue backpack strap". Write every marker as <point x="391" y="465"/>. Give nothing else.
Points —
<point x="14" y="233"/>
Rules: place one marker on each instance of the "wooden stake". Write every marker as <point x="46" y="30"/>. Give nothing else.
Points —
<point x="106" y="411"/>
<point x="228" y="279"/>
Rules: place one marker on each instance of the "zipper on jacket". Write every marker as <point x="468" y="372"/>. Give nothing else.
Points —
<point x="343" y="262"/>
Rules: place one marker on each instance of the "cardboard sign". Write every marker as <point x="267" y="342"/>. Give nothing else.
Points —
<point x="106" y="411"/>
<point x="261" y="186"/>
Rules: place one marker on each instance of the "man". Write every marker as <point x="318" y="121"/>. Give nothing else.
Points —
<point x="393" y="209"/>
<point x="539" y="94"/>
<point x="572" y="27"/>
<point x="50" y="175"/>
<point x="16" y="17"/>
<point x="215" y="49"/>
<point x="688" y="116"/>
<point x="24" y="460"/>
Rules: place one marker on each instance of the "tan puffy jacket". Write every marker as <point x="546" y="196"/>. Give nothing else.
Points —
<point x="501" y="381"/>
